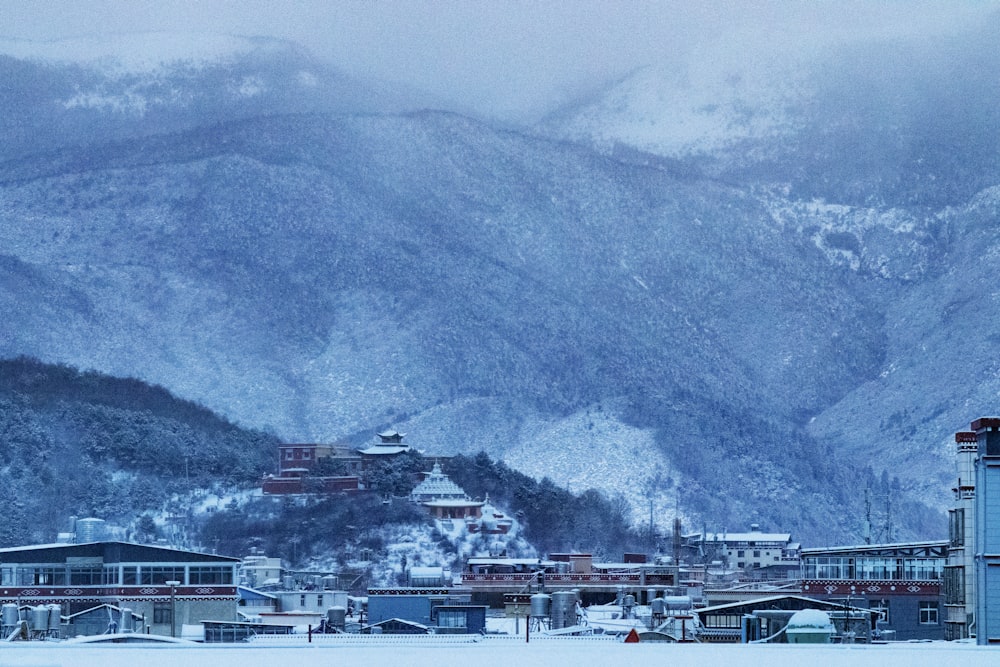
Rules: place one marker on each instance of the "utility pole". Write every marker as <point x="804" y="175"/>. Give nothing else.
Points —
<point x="173" y="606"/>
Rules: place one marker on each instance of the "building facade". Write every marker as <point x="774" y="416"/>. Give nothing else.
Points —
<point x="748" y="551"/>
<point x="167" y="588"/>
<point x="901" y="581"/>
<point x="959" y="573"/>
<point x="986" y="523"/>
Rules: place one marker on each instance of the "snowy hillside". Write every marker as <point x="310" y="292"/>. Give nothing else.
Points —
<point x="693" y="110"/>
<point x="745" y="290"/>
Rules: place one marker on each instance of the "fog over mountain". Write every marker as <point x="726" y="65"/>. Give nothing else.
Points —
<point x="738" y="296"/>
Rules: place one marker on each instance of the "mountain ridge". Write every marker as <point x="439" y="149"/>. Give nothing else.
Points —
<point x="718" y="341"/>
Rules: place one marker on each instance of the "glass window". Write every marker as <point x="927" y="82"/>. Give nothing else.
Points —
<point x="86" y="576"/>
<point x="209" y="574"/>
<point x="42" y="576"/>
<point x="161" y="612"/>
<point x="956" y="527"/>
<point x="928" y="613"/>
<point x="452" y="618"/>
<point x="161" y="575"/>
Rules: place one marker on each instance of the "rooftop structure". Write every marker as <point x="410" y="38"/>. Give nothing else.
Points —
<point x="166" y="587"/>
<point x="753" y="550"/>
<point x="902" y="581"/>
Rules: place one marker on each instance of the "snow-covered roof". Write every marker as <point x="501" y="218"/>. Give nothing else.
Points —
<point x="508" y="561"/>
<point x="748" y="537"/>
<point x="385" y="449"/>
<point x="437" y="486"/>
<point x="453" y="502"/>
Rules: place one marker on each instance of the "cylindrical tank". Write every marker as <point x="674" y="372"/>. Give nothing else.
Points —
<point x="55" y="618"/>
<point x="329" y="582"/>
<point x="563" y="609"/>
<point x="90" y="529"/>
<point x="128" y="623"/>
<point x="289" y="582"/>
<point x="336" y="617"/>
<point x="426" y="577"/>
<point x="10" y="615"/>
<point x="540" y="605"/>
<point x="658" y="606"/>
<point x="628" y="601"/>
<point x="678" y="602"/>
<point x="40" y="618"/>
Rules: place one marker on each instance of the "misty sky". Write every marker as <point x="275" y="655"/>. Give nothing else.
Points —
<point x="506" y="58"/>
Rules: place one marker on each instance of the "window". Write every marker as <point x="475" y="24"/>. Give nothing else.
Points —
<point x="161" y="613"/>
<point x="207" y="574"/>
<point x="161" y="575"/>
<point x="741" y="553"/>
<point x="956" y="527"/>
<point x="756" y="554"/>
<point x="44" y="576"/>
<point x="928" y="613"/>
<point x="452" y="618"/>
<point x="319" y="600"/>
<point x="86" y="576"/>
<point x="954" y="585"/>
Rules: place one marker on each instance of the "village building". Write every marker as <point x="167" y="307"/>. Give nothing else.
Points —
<point x="901" y="581"/>
<point x="165" y="588"/>
<point x="445" y="499"/>
<point x="428" y="604"/>
<point x="338" y="468"/>
<point x="972" y="574"/>
<point x="756" y="554"/>
<point x="390" y="443"/>
<point x="764" y="619"/>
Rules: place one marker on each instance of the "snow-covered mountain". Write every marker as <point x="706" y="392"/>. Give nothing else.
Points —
<point x="740" y="297"/>
<point x="109" y="88"/>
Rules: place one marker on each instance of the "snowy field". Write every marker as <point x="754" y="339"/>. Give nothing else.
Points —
<point x="502" y="653"/>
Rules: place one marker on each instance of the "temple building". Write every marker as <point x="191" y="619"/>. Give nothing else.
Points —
<point x="444" y="498"/>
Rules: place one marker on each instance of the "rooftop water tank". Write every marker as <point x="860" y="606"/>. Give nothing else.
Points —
<point x="40" y="618"/>
<point x="336" y="617"/>
<point x="809" y="626"/>
<point x="55" y="618"/>
<point x="10" y="615"/>
<point x="563" y="609"/>
<point x="540" y="605"/>
<point x="128" y="623"/>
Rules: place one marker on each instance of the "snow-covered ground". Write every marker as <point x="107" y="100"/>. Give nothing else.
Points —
<point x="503" y="653"/>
